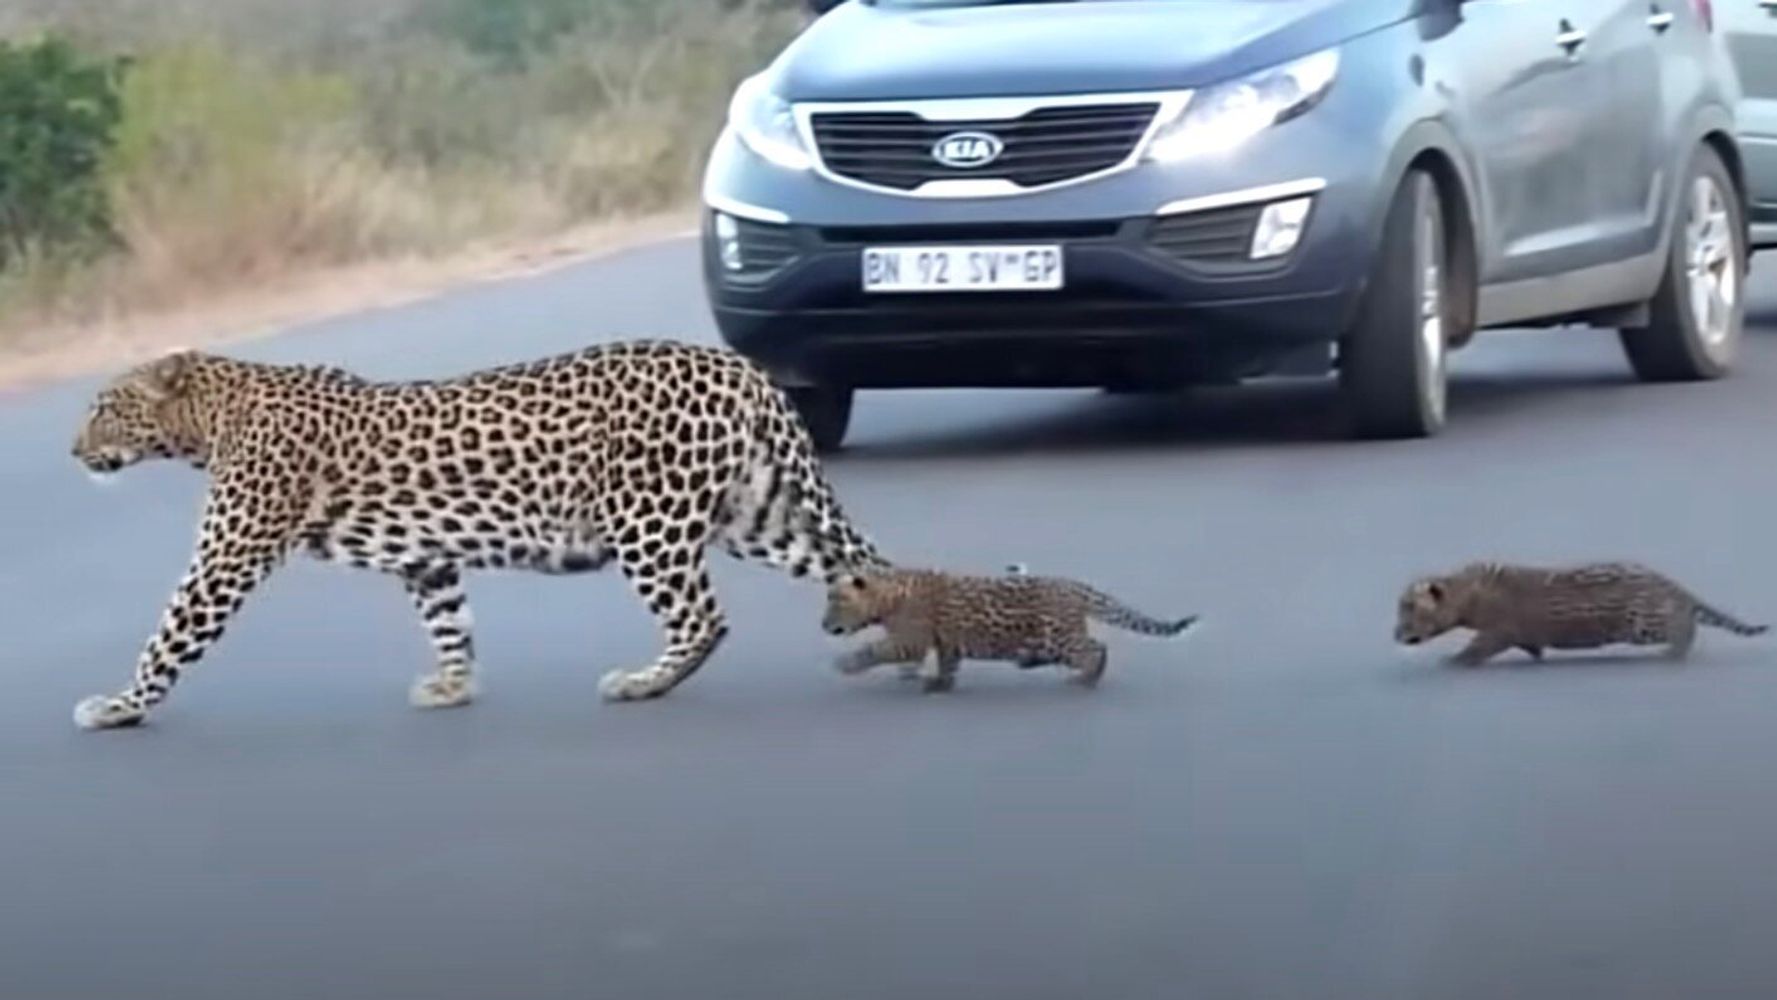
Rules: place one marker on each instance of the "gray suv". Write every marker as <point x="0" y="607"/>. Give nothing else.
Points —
<point x="1750" y="27"/>
<point x="1146" y="194"/>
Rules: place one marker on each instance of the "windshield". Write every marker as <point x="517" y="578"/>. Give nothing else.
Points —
<point x="972" y="3"/>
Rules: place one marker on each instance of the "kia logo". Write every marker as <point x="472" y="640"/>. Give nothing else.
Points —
<point x="965" y="150"/>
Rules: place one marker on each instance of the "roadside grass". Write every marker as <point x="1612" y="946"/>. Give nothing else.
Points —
<point x="262" y="139"/>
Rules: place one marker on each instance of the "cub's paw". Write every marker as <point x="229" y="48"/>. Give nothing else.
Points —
<point x="106" y="712"/>
<point x="439" y="691"/>
<point x="851" y="663"/>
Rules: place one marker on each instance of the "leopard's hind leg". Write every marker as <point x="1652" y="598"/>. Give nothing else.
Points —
<point x="941" y="675"/>
<point x="1681" y="633"/>
<point x="1087" y="657"/>
<point x="675" y="585"/>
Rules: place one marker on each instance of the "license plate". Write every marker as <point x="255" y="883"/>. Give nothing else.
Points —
<point x="962" y="269"/>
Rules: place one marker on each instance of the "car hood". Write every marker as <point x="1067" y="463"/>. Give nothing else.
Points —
<point x="863" y="51"/>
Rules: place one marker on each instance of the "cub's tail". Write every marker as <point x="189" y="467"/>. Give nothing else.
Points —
<point x="1105" y="608"/>
<point x="1722" y="620"/>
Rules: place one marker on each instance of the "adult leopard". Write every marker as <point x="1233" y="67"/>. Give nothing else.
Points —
<point x="644" y="452"/>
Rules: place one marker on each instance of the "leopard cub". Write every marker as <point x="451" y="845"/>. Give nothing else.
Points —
<point x="1028" y="620"/>
<point x="1576" y="607"/>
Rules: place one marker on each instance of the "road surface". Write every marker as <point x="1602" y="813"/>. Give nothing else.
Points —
<point x="1280" y="805"/>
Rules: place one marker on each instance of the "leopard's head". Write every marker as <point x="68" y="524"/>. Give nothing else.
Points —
<point x="1429" y="607"/>
<point x="133" y="417"/>
<point x="856" y="601"/>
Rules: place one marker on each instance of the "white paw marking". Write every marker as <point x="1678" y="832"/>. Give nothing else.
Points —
<point x="433" y="691"/>
<point x="1411" y="654"/>
<point x="853" y="663"/>
<point x="101" y="712"/>
<point x="631" y="685"/>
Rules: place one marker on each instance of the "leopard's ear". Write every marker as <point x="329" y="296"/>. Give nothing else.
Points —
<point x="167" y="376"/>
<point x="1436" y="590"/>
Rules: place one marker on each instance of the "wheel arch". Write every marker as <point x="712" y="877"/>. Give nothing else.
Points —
<point x="1712" y="127"/>
<point x="1728" y="149"/>
<point x="1430" y="147"/>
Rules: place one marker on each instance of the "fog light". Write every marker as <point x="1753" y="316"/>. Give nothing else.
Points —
<point x="1280" y="228"/>
<point x="728" y="241"/>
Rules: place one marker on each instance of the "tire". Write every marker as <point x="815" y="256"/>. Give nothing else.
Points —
<point x="825" y="411"/>
<point x="1696" y="317"/>
<point x="1392" y="359"/>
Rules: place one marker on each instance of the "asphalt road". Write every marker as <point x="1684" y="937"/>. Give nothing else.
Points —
<point x="1281" y="804"/>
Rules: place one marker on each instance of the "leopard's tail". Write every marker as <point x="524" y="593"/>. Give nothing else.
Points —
<point x="802" y="502"/>
<point x="1722" y="620"/>
<point x="1101" y="606"/>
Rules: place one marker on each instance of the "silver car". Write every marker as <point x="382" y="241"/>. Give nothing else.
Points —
<point x="1145" y="194"/>
<point x="1750" y="27"/>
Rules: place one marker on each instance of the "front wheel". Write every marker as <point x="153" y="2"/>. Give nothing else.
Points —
<point x="825" y="411"/>
<point x="1392" y="360"/>
<point x="1696" y="317"/>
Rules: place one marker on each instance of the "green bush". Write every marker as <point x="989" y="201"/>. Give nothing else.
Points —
<point x="59" y="109"/>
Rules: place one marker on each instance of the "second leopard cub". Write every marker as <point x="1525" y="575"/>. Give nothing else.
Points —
<point x="1032" y="621"/>
<point x="1577" y="607"/>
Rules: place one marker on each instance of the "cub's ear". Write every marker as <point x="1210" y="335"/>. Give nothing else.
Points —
<point x="1435" y="591"/>
<point x="167" y="376"/>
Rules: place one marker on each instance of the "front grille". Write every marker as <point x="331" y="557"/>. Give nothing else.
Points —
<point x="1217" y="237"/>
<point x="893" y="149"/>
<point x="969" y="232"/>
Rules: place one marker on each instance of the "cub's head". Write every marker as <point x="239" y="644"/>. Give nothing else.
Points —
<point x="131" y="419"/>
<point x="856" y="601"/>
<point x="1428" y="608"/>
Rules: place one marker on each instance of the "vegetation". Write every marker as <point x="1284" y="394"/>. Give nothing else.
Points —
<point x="155" y="151"/>
<point x="57" y="114"/>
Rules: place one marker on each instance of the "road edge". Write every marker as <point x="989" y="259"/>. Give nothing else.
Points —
<point x="321" y="296"/>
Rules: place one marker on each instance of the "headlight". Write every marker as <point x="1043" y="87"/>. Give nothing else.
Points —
<point x="1221" y="117"/>
<point x="763" y="122"/>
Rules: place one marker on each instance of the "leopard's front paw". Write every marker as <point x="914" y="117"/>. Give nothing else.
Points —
<point x="442" y="691"/>
<point x="107" y="712"/>
<point x="635" y="685"/>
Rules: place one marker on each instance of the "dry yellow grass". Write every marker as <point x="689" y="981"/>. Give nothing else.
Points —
<point x="34" y="355"/>
<point x="280" y="162"/>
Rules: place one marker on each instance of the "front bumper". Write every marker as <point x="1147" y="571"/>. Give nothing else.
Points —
<point x="1162" y="299"/>
<point x="1160" y="284"/>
